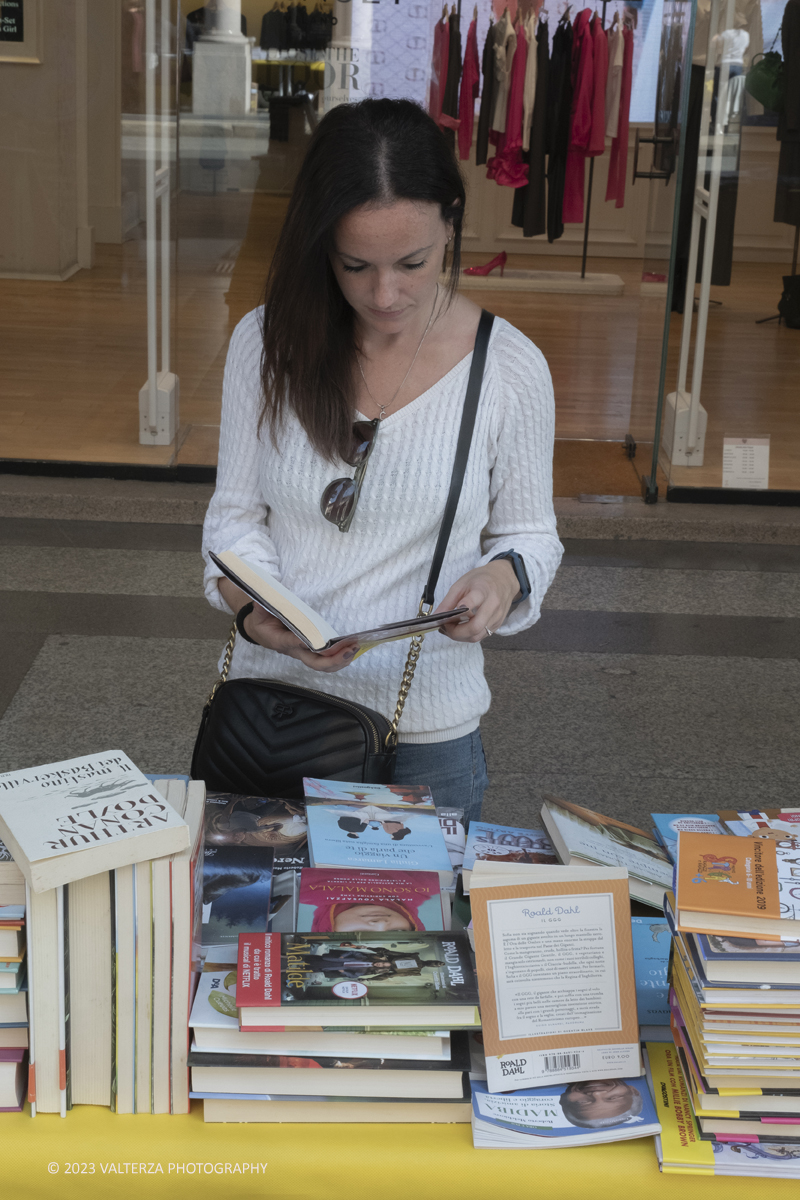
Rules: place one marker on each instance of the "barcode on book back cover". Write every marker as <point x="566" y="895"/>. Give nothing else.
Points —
<point x="561" y="1062"/>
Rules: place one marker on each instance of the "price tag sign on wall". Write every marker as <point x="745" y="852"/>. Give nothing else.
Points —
<point x="745" y="462"/>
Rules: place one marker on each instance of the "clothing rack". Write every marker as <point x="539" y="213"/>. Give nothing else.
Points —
<point x="591" y="179"/>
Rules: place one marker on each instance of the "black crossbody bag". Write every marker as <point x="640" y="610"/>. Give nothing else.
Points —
<point x="259" y="737"/>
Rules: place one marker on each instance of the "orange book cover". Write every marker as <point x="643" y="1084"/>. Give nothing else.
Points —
<point x="730" y="875"/>
<point x="556" y="980"/>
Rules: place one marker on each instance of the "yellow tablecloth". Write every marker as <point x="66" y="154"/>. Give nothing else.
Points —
<point x="153" y="1157"/>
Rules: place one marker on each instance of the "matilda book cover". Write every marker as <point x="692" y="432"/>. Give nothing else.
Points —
<point x="237" y="881"/>
<point x="572" y="1114"/>
<point x="555" y="971"/>
<point x="730" y="884"/>
<point x="68" y="820"/>
<point x="259" y="821"/>
<point x="365" y="835"/>
<point x="289" y="971"/>
<point x="370" y="901"/>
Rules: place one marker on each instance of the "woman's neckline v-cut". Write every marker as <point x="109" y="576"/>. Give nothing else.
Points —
<point x="391" y="416"/>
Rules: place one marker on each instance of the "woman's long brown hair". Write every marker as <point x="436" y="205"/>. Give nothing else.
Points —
<point x="376" y="151"/>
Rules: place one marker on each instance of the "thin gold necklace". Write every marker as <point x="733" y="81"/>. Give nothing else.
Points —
<point x="389" y="403"/>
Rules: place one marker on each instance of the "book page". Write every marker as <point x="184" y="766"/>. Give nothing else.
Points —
<point x="555" y="965"/>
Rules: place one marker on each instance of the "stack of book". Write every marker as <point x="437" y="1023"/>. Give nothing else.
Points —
<point x="335" y="1027"/>
<point x="735" y="996"/>
<point x="13" y="1003"/>
<point x="112" y="870"/>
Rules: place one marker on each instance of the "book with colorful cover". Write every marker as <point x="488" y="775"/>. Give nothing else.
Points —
<point x="729" y="884"/>
<point x="781" y="826"/>
<point x="583" y="1113"/>
<point x="233" y="820"/>
<point x="361" y="834"/>
<point x="669" y="825"/>
<point x="652" y="941"/>
<point x="555" y="971"/>
<point x="583" y="836"/>
<point x="505" y="843"/>
<point x="396" y="795"/>
<point x="404" y="979"/>
<point x="680" y="1147"/>
<point x="68" y="820"/>
<point x="369" y="901"/>
<point x="237" y="881"/>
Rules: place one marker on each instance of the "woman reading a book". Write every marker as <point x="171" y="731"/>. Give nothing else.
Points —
<point x="357" y="365"/>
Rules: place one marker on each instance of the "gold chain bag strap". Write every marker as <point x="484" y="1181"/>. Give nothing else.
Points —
<point x="260" y="737"/>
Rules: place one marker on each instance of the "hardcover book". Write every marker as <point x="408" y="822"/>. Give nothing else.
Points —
<point x="781" y="826"/>
<point x="68" y="820"/>
<point x="504" y="843"/>
<point x="747" y="960"/>
<point x="583" y="1113"/>
<point x="582" y="836"/>
<point x="362" y="834"/>
<point x="555" y="971"/>
<point x="729" y="884"/>
<point x="404" y="979"/>
<point x="259" y="821"/>
<point x="369" y="901"/>
<point x="237" y="881"/>
<point x="310" y="626"/>
<point x="669" y="825"/>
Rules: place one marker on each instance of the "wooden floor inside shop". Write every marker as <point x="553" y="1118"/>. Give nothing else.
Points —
<point x="73" y="355"/>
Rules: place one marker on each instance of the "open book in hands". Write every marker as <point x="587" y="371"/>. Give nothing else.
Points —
<point x="308" y="625"/>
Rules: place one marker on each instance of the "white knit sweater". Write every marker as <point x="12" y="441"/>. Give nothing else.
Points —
<point x="266" y="509"/>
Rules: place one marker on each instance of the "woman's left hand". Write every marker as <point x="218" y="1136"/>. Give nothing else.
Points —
<point x="488" y="591"/>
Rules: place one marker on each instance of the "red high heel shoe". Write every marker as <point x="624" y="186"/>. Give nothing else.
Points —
<point x="487" y="268"/>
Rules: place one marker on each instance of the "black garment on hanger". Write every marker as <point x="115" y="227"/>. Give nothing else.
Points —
<point x="559" y="105"/>
<point x="487" y="99"/>
<point x="530" y="209"/>
<point x="274" y="31"/>
<point x="787" y="193"/>
<point x="726" y="205"/>
<point x="450" y="98"/>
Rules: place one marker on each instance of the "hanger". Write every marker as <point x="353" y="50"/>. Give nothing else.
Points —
<point x="614" y="20"/>
<point x="475" y="13"/>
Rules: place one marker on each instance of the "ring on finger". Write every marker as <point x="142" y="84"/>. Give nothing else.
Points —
<point x="488" y="631"/>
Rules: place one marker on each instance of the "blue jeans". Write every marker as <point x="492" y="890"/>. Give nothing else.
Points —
<point x="455" y="771"/>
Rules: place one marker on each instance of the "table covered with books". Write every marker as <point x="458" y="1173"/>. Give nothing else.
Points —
<point x="346" y="993"/>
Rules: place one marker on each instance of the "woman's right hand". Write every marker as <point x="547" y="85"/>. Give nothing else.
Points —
<point x="272" y="634"/>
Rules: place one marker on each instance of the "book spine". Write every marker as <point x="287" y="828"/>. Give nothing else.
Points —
<point x="31" y="1023"/>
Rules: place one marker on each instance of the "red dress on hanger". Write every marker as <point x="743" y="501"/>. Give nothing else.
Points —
<point x="441" y="51"/>
<point x="507" y="167"/>
<point x="597" y="138"/>
<point x="618" y="166"/>
<point x="581" y="117"/>
<point x="470" y="77"/>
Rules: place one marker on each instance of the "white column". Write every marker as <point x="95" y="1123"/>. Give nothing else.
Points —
<point x="221" y="68"/>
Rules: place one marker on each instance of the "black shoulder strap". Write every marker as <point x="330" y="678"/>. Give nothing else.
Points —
<point x="462" y="450"/>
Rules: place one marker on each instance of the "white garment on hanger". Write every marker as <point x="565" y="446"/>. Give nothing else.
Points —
<point x="529" y="90"/>
<point x="505" y="45"/>
<point x="731" y="44"/>
<point x="616" y="53"/>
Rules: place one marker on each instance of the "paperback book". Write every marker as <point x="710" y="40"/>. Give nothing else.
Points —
<point x="237" y="882"/>
<point x="369" y="901"/>
<point x="281" y="825"/>
<point x="361" y="834"/>
<point x="504" y="843"/>
<point x="747" y="960"/>
<point x="396" y="795"/>
<point x="310" y="626"/>
<point x="405" y="980"/>
<point x="667" y="826"/>
<point x="582" y="836"/>
<point x="68" y="820"/>
<point x="555" y="971"/>
<point x="583" y="1113"/>
<point x="651" y="948"/>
